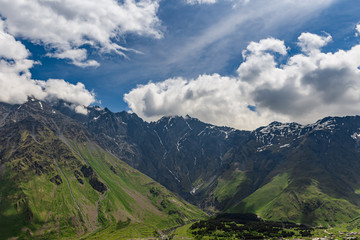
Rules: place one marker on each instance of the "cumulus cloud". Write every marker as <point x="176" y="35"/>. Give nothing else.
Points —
<point x="308" y="86"/>
<point x="67" y="27"/>
<point x="269" y="44"/>
<point x="9" y="47"/>
<point x="16" y="84"/>
<point x="310" y="43"/>
<point x="75" y="94"/>
<point x="209" y="97"/>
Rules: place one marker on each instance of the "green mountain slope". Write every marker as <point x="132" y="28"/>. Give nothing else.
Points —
<point x="283" y="199"/>
<point x="55" y="182"/>
<point x="258" y="201"/>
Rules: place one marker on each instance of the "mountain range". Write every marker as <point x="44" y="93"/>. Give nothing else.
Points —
<point x="102" y="174"/>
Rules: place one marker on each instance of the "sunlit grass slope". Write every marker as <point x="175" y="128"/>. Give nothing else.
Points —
<point x="52" y="187"/>
<point x="283" y="199"/>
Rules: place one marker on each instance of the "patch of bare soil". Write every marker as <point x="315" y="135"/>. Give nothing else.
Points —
<point x="143" y="203"/>
<point x="52" y="194"/>
<point x="90" y="211"/>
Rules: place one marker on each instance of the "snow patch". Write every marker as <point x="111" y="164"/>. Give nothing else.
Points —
<point x="201" y="132"/>
<point x="330" y="124"/>
<point x="159" y="138"/>
<point x="285" y="145"/>
<point x="355" y="136"/>
<point x="263" y="148"/>
<point x="178" y="146"/>
<point x="187" y="124"/>
<point x="173" y="175"/>
<point x="193" y="191"/>
<point x="276" y="129"/>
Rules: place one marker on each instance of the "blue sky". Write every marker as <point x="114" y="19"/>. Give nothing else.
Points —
<point x="180" y="41"/>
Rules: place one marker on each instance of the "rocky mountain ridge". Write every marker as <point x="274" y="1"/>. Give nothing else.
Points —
<point x="283" y="171"/>
<point x="218" y="168"/>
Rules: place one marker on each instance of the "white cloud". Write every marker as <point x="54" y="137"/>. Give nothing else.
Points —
<point x="76" y="94"/>
<point x="16" y="84"/>
<point x="309" y="86"/>
<point x="310" y="43"/>
<point x="9" y="47"/>
<point x="268" y="44"/>
<point x="259" y="67"/>
<point x="15" y="78"/>
<point x="78" y="57"/>
<point x="65" y="27"/>
<point x="209" y="98"/>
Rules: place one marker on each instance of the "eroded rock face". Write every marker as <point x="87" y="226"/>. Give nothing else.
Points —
<point x="56" y="179"/>
<point x="93" y="179"/>
<point x="87" y="171"/>
<point x="96" y="184"/>
<point x="78" y="175"/>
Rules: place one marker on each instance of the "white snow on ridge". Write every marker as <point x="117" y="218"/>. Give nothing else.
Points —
<point x="201" y="132"/>
<point x="285" y="145"/>
<point x="276" y="129"/>
<point x="159" y="138"/>
<point x="178" y="146"/>
<point x="263" y="148"/>
<point x="187" y="124"/>
<point x="193" y="191"/>
<point x="173" y="175"/>
<point x="281" y="129"/>
<point x="327" y="125"/>
<point x="355" y="136"/>
<point x="227" y="133"/>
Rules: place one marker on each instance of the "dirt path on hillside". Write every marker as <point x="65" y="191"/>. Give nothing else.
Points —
<point x="69" y="186"/>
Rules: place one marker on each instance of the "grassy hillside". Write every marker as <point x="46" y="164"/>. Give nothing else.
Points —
<point x="258" y="201"/>
<point x="52" y="187"/>
<point x="227" y="185"/>
<point x="298" y="200"/>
